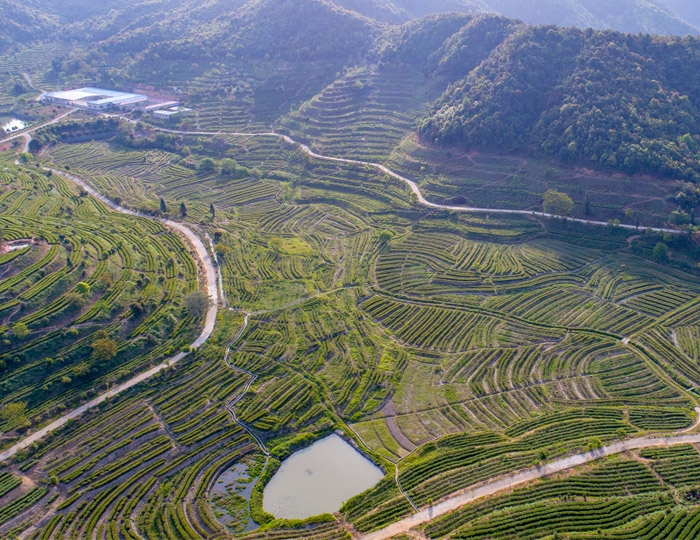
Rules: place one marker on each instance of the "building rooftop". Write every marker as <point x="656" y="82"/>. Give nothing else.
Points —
<point x="96" y="95"/>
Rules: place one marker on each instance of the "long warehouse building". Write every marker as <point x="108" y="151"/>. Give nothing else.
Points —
<point x="95" y="99"/>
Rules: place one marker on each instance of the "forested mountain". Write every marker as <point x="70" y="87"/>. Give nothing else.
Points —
<point x="163" y="20"/>
<point x="20" y="23"/>
<point x="303" y="30"/>
<point x="381" y="10"/>
<point x="623" y="101"/>
<point x="687" y="9"/>
<point x="624" y="15"/>
<point x="445" y="45"/>
<point x="673" y="17"/>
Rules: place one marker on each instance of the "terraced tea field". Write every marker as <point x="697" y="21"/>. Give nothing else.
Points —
<point x="87" y="296"/>
<point x="363" y="115"/>
<point x="453" y="347"/>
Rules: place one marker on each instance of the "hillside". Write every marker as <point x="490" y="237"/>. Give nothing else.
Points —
<point x="687" y="9"/>
<point x="672" y="17"/>
<point x="453" y="242"/>
<point x="620" y="101"/>
<point x="20" y="23"/>
<point x="380" y="10"/>
<point x="626" y="15"/>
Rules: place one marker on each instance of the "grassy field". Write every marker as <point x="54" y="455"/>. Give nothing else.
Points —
<point x="500" y="181"/>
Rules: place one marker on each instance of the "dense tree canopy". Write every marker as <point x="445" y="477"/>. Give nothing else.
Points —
<point x="626" y="102"/>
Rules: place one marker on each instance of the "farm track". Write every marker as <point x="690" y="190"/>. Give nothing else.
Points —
<point x="474" y="493"/>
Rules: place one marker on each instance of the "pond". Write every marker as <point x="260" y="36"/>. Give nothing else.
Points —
<point x="230" y="496"/>
<point x="319" y="479"/>
<point x="10" y="125"/>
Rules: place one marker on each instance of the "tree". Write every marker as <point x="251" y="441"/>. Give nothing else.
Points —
<point x="221" y="250"/>
<point x="660" y="252"/>
<point x="101" y="334"/>
<point x="207" y="165"/>
<point x="35" y="146"/>
<point x="183" y="209"/>
<point x="385" y="236"/>
<point x="163" y="206"/>
<point x="586" y="205"/>
<point x="104" y="349"/>
<point x="13" y="414"/>
<point x="557" y="203"/>
<point x="229" y="166"/>
<point x="212" y="210"/>
<point x="678" y="218"/>
<point x="25" y="157"/>
<point x="197" y="303"/>
<point x="20" y="330"/>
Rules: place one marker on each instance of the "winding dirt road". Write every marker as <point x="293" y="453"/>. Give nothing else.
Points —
<point x="212" y="290"/>
<point x="411" y="184"/>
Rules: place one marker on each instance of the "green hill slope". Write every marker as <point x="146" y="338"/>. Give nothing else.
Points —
<point x="20" y="23"/>
<point x="621" y="101"/>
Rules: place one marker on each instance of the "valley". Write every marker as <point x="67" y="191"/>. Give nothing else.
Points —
<point x="351" y="243"/>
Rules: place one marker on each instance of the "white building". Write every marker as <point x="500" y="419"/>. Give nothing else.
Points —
<point x="95" y="99"/>
<point x="164" y="114"/>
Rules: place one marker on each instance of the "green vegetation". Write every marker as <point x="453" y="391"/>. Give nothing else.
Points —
<point x="604" y="81"/>
<point x="557" y="203"/>
<point x="453" y="347"/>
<point x="92" y="298"/>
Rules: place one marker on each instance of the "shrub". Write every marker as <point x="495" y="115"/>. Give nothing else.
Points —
<point x="20" y="330"/>
<point x="13" y="414"/>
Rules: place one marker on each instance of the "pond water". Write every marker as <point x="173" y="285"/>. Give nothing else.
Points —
<point x="230" y="498"/>
<point x="10" y="125"/>
<point x="319" y="479"/>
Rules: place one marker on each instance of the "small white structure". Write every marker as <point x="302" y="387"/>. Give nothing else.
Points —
<point x="164" y="114"/>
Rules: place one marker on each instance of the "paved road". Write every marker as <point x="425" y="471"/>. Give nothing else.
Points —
<point x="411" y="184"/>
<point x="490" y="488"/>
<point x="210" y="321"/>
